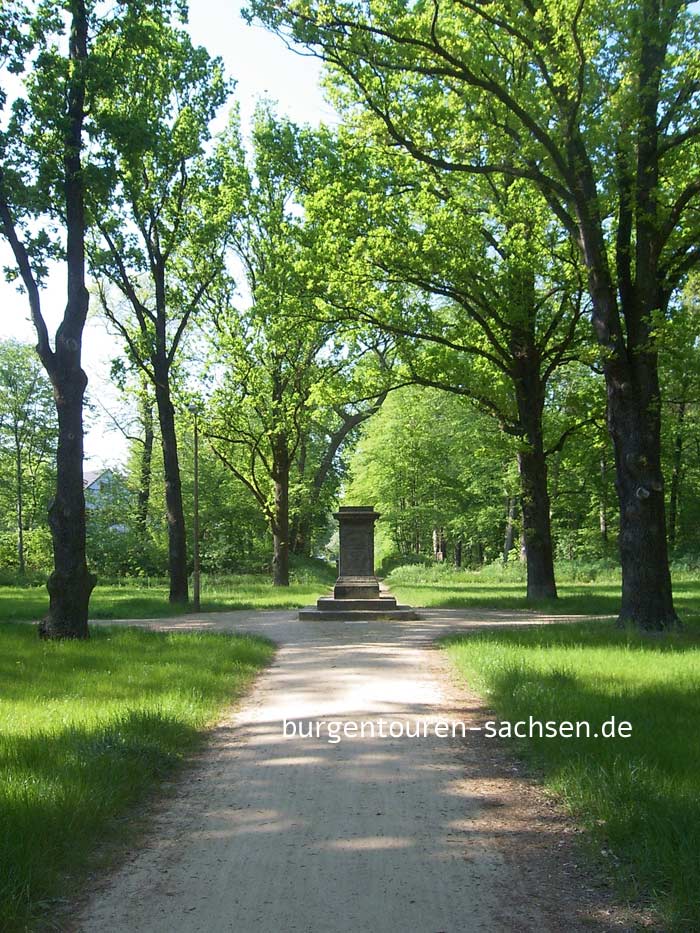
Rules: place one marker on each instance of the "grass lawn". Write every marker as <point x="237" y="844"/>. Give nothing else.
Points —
<point x="141" y="599"/>
<point x="86" y="730"/>
<point x="639" y="797"/>
<point x="445" y="588"/>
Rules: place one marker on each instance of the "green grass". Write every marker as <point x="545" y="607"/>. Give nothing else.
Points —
<point x="638" y="797"/>
<point x="143" y="599"/>
<point x="446" y="588"/>
<point x="86" y="731"/>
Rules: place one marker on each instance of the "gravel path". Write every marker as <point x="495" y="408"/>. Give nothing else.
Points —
<point x="276" y="833"/>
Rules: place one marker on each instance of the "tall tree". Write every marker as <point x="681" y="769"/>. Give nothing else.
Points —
<point x="161" y="238"/>
<point x="480" y="290"/>
<point x="42" y="179"/>
<point x="281" y="366"/>
<point x="602" y="102"/>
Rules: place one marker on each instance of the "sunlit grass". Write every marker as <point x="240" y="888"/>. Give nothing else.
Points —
<point x="446" y="588"/>
<point x="86" y="730"/>
<point x="638" y="797"/>
<point x="144" y="599"/>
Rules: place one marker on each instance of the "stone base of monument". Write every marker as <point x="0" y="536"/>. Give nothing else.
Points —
<point x="364" y="587"/>
<point x="348" y="609"/>
<point x="356" y="594"/>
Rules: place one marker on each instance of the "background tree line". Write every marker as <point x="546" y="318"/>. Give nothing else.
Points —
<point x="443" y="478"/>
<point x="459" y="232"/>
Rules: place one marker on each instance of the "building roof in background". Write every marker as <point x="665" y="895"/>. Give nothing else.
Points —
<point x="91" y="476"/>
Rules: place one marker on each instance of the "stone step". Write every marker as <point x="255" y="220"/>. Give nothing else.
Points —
<point x="401" y="613"/>
<point x="377" y="604"/>
<point x="366" y="590"/>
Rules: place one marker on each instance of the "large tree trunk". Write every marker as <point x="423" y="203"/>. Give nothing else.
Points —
<point x="630" y="361"/>
<point x="532" y="465"/>
<point x="536" y="524"/>
<point x="177" y="537"/>
<point x="634" y="422"/>
<point x="70" y="584"/>
<point x="280" y="541"/>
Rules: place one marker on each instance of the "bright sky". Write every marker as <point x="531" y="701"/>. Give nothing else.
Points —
<point x="263" y="67"/>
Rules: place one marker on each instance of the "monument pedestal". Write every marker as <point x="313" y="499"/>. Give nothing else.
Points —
<point x="356" y="594"/>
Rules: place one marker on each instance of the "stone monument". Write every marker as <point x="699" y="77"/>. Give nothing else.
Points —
<point x="356" y="594"/>
<point x="356" y="572"/>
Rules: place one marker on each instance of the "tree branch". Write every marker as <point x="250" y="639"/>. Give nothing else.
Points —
<point x="21" y="255"/>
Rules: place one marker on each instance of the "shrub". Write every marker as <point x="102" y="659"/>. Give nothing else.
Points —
<point x="390" y="562"/>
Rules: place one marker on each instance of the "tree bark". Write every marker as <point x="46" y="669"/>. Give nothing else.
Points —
<point x="634" y="414"/>
<point x="458" y="553"/>
<point x="177" y="537"/>
<point x="634" y="422"/>
<point x="70" y="584"/>
<point x="532" y="466"/>
<point x="536" y="525"/>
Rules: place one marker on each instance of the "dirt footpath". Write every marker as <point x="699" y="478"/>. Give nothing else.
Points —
<point x="275" y="833"/>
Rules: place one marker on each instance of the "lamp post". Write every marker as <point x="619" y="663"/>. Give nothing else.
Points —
<point x="195" y="575"/>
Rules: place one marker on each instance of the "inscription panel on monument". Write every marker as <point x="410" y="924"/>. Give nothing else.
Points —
<point x="356" y="551"/>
